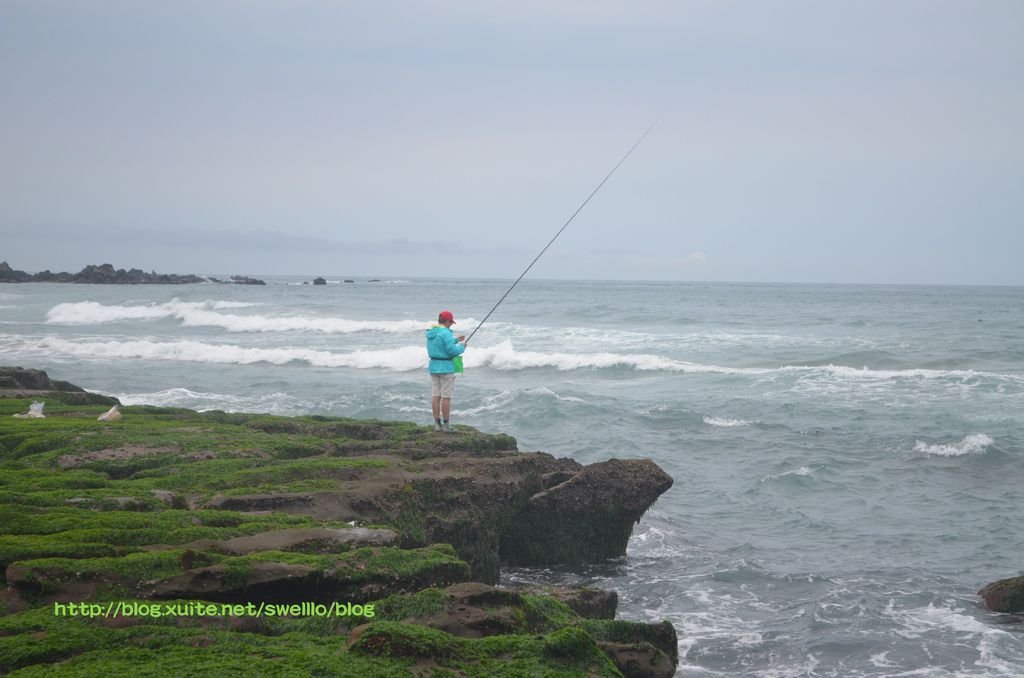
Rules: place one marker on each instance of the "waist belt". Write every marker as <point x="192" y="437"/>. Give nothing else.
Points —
<point x="433" y="358"/>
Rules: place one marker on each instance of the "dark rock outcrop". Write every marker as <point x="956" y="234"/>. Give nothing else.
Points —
<point x="493" y="506"/>
<point x="20" y="382"/>
<point x="319" y="281"/>
<point x="245" y="280"/>
<point x="587" y="518"/>
<point x="8" y="274"/>
<point x="106" y="274"/>
<point x="639" y="660"/>
<point x="1005" y="595"/>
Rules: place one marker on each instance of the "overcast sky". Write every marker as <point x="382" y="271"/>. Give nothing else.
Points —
<point x="869" y="141"/>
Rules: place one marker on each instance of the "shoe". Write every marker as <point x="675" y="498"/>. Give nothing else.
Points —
<point x="437" y="427"/>
<point x="447" y="428"/>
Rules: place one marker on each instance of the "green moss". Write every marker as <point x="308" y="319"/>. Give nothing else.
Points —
<point x="564" y="654"/>
<point x="39" y="480"/>
<point x="140" y="566"/>
<point x="37" y="637"/>
<point x="40" y="643"/>
<point x="366" y="563"/>
<point x="544" y="613"/>
<point x="410" y="516"/>
<point x="572" y="643"/>
<point x="397" y="567"/>
<point x="26" y="547"/>
<point x="67" y="480"/>
<point x="125" y="526"/>
<point x="249" y="475"/>
<point x="401" y="607"/>
<point x="76" y="533"/>
<point x="389" y="639"/>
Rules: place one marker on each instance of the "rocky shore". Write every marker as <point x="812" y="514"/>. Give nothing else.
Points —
<point x="324" y="545"/>
<point x="106" y="274"/>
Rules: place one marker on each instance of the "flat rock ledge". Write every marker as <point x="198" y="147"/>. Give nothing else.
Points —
<point x="169" y="505"/>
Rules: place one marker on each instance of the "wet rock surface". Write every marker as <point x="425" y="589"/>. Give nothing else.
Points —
<point x="1005" y="595"/>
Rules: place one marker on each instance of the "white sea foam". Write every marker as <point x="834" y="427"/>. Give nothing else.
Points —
<point x="398" y="359"/>
<point x="803" y="472"/>
<point x="545" y="391"/>
<point x="206" y="314"/>
<point x="972" y="444"/>
<point x="261" y="323"/>
<point x="938" y="620"/>
<point x="498" y="401"/>
<point x="725" y="423"/>
<point x="92" y="313"/>
<point x="504" y="356"/>
<point x="274" y="403"/>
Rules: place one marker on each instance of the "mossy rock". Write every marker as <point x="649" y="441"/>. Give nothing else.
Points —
<point x="110" y="511"/>
<point x="565" y="653"/>
<point x="40" y="643"/>
<point x="359" y="575"/>
<point x="65" y="532"/>
<point x="1005" y="595"/>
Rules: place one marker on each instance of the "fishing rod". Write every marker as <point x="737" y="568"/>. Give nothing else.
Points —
<point x="569" y="221"/>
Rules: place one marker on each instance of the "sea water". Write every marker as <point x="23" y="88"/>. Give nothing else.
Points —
<point x="848" y="460"/>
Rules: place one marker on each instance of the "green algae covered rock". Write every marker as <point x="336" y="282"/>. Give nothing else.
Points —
<point x="364" y="536"/>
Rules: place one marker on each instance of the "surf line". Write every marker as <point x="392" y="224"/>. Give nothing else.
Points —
<point x="569" y="221"/>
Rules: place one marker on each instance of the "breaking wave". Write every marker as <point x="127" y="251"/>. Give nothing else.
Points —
<point x="725" y="423"/>
<point x="273" y="403"/>
<point x="501" y="357"/>
<point x="205" y="314"/>
<point x="400" y="359"/>
<point x="972" y="444"/>
<point x="802" y="472"/>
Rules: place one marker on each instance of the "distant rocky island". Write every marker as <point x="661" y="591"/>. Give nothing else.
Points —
<point x="106" y="274"/>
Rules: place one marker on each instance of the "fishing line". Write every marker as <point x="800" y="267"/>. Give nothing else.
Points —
<point x="569" y="221"/>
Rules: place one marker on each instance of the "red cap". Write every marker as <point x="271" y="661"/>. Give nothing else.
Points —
<point x="446" y="315"/>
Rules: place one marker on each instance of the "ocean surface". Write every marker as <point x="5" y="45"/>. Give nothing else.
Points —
<point x="848" y="460"/>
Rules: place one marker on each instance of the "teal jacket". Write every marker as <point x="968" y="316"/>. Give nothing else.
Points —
<point x="442" y="347"/>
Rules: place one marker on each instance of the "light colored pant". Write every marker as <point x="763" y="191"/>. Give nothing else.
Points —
<point x="442" y="385"/>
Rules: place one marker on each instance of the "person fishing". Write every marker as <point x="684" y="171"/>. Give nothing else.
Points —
<point x="442" y="347"/>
